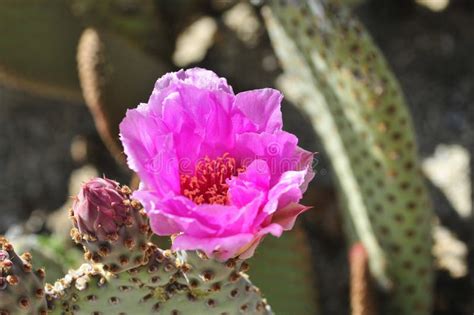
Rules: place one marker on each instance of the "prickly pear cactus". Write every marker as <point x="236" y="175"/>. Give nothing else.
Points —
<point x="138" y="21"/>
<point x="30" y="28"/>
<point x="126" y="274"/>
<point x="338" y="76"/>
<point x="170" y="283"/>
<point x="21" y="287"/>
<point x="107" y="90"/>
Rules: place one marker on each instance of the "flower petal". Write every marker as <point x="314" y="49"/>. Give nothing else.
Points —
<point x="249" y="184"/>
<point x="262" y="108"/>
<point x="222" y="248"/>
<point x="286" y="217"/>
<point x="278" y="149"/>
<point x="150" y="153"/>
<point x="197" y="77"/>
<point x="177" y="215"/>
<point x="286" y="191"/>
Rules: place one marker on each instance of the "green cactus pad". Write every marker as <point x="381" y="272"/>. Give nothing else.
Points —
<point x="127" y="249"/>
<point x="160" y="270"/>
<point x="92" y="290"/>
<point x="21" y="288"/>
<point x="340" y="79"/>
<point x="88" y="291"/>
<point x="222" y="286"/>
<point x="286" y="260"/>
<point x="35" y="54"/>
<point x="105" y="73"/>
<point x="137" y="21"/>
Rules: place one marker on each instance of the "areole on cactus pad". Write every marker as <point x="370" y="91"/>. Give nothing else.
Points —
<point x="217" y="171"/>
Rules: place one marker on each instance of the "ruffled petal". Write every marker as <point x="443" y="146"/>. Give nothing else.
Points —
<point x="196" y="77"/>
<point x="178" y="215"/>
<point x="222" y="248"/>
<point x="306" y="164"/>
<point x="286" y="217"/>
<point x="151" y="154"/>
<point x="286" y="191"/>
<point x="243" y="221"/>
<point x="249" y="184"/>
<point x="277" y="149"/>
<point x="211" y="114"/>
<point x="261" y="108"/>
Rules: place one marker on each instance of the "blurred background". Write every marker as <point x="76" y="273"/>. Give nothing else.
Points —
<point x="69" y="70"/>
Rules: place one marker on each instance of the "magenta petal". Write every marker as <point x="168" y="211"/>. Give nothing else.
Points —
<point x="216" y="215"/>
<point x="286" y="191"/>
<point x="244" y="219"/>
<point x="286" y="217"/>
<point x="273" y="229"/>
<point x="256" y="173"/>
<point x="278" y="149"/>
<point x="211" y="114"/>
<point x="197" y="77"/>
<point x="150" y="154"/>
<point x="178" y="214"/>
<point x="163" y="224"/>
<point x="250" y="250"/>
<point x="306" y="164"/>
<point x="262" y="108"/>
<point x="221" y="248"/>
<point x="249" y="184"/>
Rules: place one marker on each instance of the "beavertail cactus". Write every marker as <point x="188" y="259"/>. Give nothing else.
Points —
<point x="109" y="225"/>
<point x="340" y="79"/>
<point x="142" y="278"/>
<point x="100" y="55"/>
<point x="21" y="287"/>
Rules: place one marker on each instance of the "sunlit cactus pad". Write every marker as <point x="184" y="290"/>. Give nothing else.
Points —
<point x="165" y="285"/>
<point x="340" y="79"/>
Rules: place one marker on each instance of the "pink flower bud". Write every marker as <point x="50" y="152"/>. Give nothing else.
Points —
<point x="99" y="209"/>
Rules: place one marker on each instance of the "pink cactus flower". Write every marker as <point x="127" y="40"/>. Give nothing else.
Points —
<point x="99" y="208"/>
<point x="217" y="171"/>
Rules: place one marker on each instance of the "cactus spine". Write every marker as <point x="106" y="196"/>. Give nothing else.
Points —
<point x="341" y="80"/>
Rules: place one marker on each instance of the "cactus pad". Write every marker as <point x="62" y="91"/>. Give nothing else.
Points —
<point x="21" y="288"/>
<point x="338" y="76"/>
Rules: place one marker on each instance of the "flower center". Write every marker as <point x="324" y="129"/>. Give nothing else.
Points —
<point x="208" y="184"/>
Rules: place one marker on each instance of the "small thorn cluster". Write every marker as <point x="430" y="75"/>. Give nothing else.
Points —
<point x="21" y="287"/>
